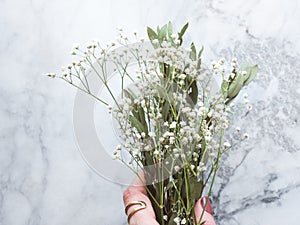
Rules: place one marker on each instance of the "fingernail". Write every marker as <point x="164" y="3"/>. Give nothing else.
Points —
<point x="208" y="208"/>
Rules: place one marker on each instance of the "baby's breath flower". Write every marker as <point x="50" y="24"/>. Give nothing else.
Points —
<point x="155" y="41"/>
<point x="51" y="75"/>
<point x="173" y="125"/>
<point x="174" y="36"/>
<point x="221" y="61"/>
<point x="227" y="145"/>
<point x="246" y="135"/>
<point x="182" y="76"/>
<point x="156" y="152"/>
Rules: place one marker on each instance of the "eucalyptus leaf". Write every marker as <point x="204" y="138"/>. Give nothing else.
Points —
<point x="165" y="110"/>
<point x="170" y="29"/>
<point x="200" y="52"/>
<point x="151" y="34"/>
<point x="194" y="93"/>
<point x="163" y="33"/>
<point x="137" y="124"/>
<point x="251" y="74"/>
<point x="235" y="86"/>
<point x="193" y="52"/>
<point x="224" y="88"/>
<point x="183" y="29"/>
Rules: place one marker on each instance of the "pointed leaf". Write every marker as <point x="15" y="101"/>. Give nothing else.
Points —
<point x="151" y="34"/>
<point x="251" y="74"/>
<point x="137" y="124"/>
<point x="193" y="52"/>
<point x="235" y="86"/>
<point x="224" y="88"/>
<point x="181" y="33"/>
<point x="200" y="52"/>
<point x="162" y="33"/>
<point x="170" y="29"/>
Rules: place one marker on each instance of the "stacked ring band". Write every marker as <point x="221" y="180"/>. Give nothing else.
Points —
<point x="142" y="205"/>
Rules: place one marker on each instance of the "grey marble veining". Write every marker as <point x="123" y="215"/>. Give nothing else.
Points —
<point x="43" y="178"/>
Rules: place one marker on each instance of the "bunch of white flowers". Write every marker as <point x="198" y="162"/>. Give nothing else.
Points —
<point x="172" y="123"/>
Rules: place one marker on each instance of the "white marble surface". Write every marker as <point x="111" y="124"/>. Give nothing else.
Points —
<point x="43" y="178"/>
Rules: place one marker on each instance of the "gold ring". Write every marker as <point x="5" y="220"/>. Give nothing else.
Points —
<point x="142" y="205"/>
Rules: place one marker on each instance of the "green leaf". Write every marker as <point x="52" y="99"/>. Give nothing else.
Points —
<point x="251" y="73"/>
<point x="235" y="86"/>
<point x="162" y="34"/>
<point x="137" y="124"/>
<point x="129" y="94"/>
<point x="196" y="188"/>
<point x="170" y="29"/>
<point x="200" y="52"/>
<point x="165" y="110"/>
<point x="151" y="34"/>
<point x="224" y="88"/>
<point x="193" y="52"/>
<point x="194" y="93"/>
<point x="181" y="33"/>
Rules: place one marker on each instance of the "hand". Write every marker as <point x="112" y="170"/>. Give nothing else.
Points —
<point x="137" y="192"/>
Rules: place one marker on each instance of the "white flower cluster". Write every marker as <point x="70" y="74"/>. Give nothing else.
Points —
<point x="169" y="117"/>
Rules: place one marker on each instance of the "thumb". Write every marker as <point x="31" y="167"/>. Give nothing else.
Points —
<point x="207" y="216"/>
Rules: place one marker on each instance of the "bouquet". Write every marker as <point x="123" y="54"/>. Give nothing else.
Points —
<point x="173" y="116"/>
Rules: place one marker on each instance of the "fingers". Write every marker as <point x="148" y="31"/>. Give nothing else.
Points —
<point x="207" y="216"/>
<point x="137" y="192"/>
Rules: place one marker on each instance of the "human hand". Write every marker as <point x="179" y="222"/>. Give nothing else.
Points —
<point x="137" y="192"/>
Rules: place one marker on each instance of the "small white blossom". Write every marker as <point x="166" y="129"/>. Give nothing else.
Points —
<point x="182" y="76"/>
<point x="227" y="145"/>
<point x="155" y="41"/>
<point x="246" y="135"/>
<point x="174" y="36"/>
<point x="173" y="125"/>
<point x="183" y="221"/>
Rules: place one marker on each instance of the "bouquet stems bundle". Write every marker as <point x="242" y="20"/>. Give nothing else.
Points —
<point x="173" y="117"/>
